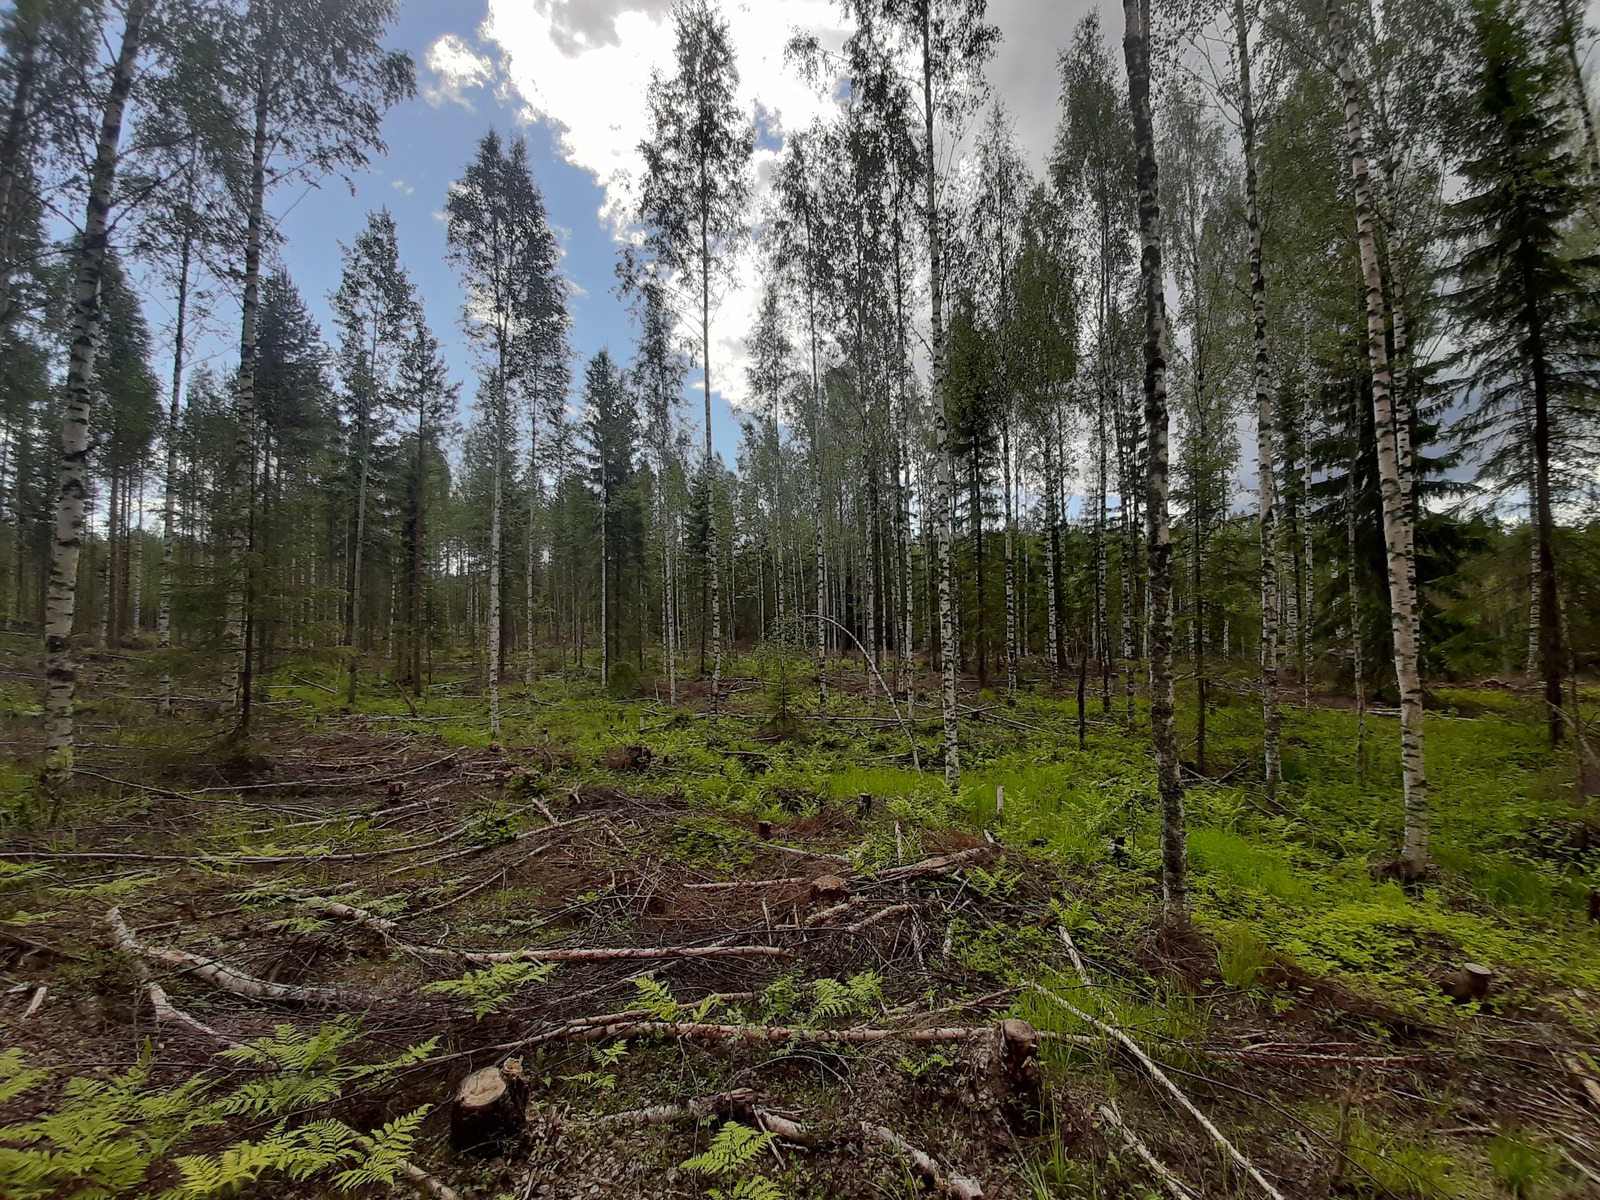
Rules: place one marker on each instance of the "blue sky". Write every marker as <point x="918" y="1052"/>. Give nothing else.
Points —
<point x="429" y="144"/>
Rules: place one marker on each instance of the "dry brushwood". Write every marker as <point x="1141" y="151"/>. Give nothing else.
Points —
<point x="596" y="1029"/>
<point x="957" y="1187"/>
<point x="220" y="975"/>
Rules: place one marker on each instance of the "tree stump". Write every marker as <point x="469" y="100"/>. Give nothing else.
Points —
<point x="829" y="889"/>
<point x="629" y="758"/>
<point x="1005" y="1067"/>
<point x="1471" y="982"/>
<point x="487" y="1114"/>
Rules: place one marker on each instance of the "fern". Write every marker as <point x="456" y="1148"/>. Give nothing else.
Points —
<point x="755" y="1187"/>
<point x="734" y="1147"/>
<point x="832" y="998"/>
<point x="656" y="999"/>
<point x="488" y="989"/>
<point x="390" y="1147"/>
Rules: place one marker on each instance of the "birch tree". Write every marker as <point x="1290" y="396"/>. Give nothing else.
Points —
<point x="312" y="80"/>
<point x="695" y="192"/>
<point x="61" y="669"/>
<point x="500" y="241"/>
<point x="1158" y="533"/>
<point x="375" y="311"/>
<point x="1414" y="851"/>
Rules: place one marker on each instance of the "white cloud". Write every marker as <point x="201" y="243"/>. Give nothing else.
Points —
<point x="456" y="68"/>
<point x="583" y="66"/>
<point x="401" y="186"/>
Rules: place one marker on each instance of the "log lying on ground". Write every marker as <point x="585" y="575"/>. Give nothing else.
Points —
<point x="220" y="975"/>
<point x="957" y="1187"/>
<point x="488" y="1112"/>
<point x="597" y="1029"/>
<point x="615" y="953"/>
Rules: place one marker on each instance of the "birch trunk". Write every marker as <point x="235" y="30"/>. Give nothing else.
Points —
<point x="1011" y="569"/>
<point x="136" y="562"/>
<point x="1163" y="723"/>
<point x="1414" y="853"/>
<point x="948" y="651"/>
<point x="353" y="635"/>
<point x="61" y="671"/>
<point x="1357" y="640"/>
<point x="1052" y="628"/>
<point x="1266" y="468"/>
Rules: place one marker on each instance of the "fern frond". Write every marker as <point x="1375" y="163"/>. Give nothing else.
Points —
<point x="734" y="1147"/>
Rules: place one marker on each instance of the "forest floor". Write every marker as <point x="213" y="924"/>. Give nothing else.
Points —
<point x="773" y="957"/>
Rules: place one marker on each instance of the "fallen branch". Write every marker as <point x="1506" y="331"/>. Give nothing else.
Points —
<point x="597" y="1029"/>
<point x="1159" y="1169"/>
<point x="958" y="1187"/>
<point x="883" y="914"/>
<point x="219" y="974"/>
<point x="742" y="885"/>
<point x="1155" y="1072"/>
<point x="941" y="865"/>
<point x="666" y="1114"/>
<point x="618" y="953"/>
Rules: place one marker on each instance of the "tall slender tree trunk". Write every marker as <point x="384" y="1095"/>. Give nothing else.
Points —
<point x="353" y="625"/>
<point x="1414" y="853"/>
<point x="61" y="671"/>
<point x="169" y="489"/>
<point x="1266" y="468"/>
<point x="499" y="418"/>
<point x="713" y="566"/>
<point x="418" y="486"/>
<point x="1010" y="552"/>
<point x="236" y="646"/>
<point x="136" y="562"/>
<point x="1053" y="602"/>
<point x="1163" y="722"/>
<point x="948" y="651"/>
<point x="1357" y="637"/>
<point x="24" y="75"/>
<point x="1551" y="656"/>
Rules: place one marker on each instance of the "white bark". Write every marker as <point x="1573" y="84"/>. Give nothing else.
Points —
<point x="1158" y="533"/>
<point x="1266" y="467"/>
<point x="1414" y="854"/>
<point x="948" y="650"/>
<point x="61" y="672"/>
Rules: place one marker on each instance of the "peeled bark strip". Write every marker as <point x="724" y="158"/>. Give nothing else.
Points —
<point x="61" y="671"/>
<point x="1158" y="531"/>
<point x="1414" y="853"/>
<point x="220" y="974"/>
<point x="1265" y="467"/>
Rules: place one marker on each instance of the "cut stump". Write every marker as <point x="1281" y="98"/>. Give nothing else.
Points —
<point x="487" y="1114"/>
